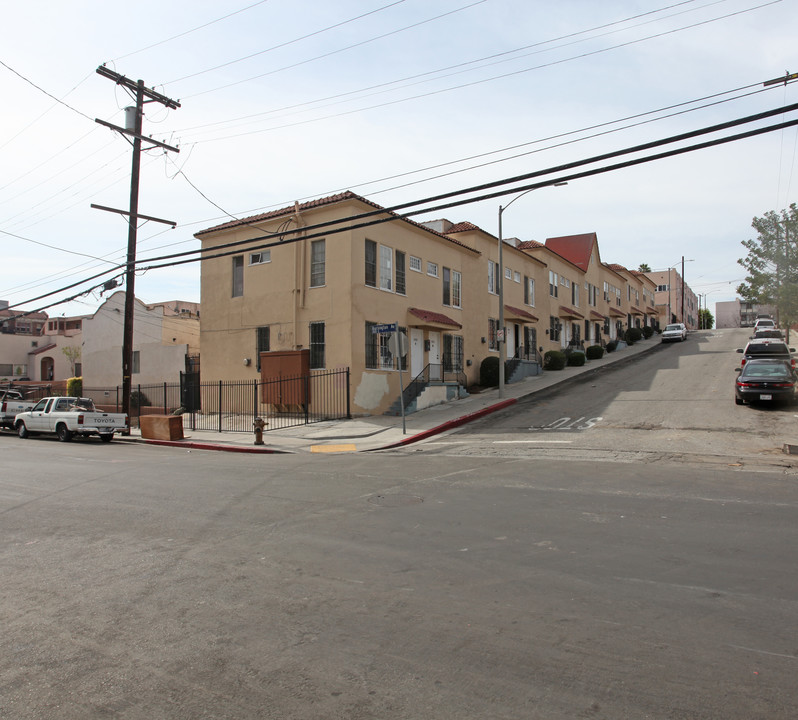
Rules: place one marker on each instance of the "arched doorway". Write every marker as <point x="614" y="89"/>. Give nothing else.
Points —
<point x="47" y="368"/>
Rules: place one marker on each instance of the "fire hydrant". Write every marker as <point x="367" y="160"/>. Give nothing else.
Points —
<point x="259" y="424"/>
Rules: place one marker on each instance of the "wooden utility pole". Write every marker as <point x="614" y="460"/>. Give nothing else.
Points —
<point x="141" y="92"/>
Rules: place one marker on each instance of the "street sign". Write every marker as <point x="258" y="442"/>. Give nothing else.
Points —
<point x="384" y="328"/>
<point x="397" y="344"/>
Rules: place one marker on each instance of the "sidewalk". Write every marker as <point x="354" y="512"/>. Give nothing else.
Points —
<point x="383" y="431"/>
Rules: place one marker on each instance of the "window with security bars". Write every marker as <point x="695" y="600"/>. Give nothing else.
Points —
<point x="378" y="351"/>
<point x="316" y="345"/>
<point x="452" y="353"/>
<point x="493" y="332"/>
<point x="262" y="342"/>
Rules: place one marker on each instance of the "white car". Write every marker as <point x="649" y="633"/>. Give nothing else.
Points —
<point x="764" y="323"/>
<point x="675" y="332"/>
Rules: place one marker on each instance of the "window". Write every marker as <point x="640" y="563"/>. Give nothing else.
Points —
<point x="378" y="352"/>
<point x="493" y="277"/>
<point x="508" y="274"/>
<point x="493" y="332"/>
<point x="137" y="359"/>
<point x="447" y="286"/>
<point x="371" y="263"/>
<point x="432" y="269"/>
<point x="564" y="281"/>
<point x="662" y="288"/>
<point x="592" y="294"/>
<point x="262" y="342"/>
<point x="529" y="291"/>
<point x="238" y="276"/>
<point x="457" y="284"/>
<point x="575" y="294"/>
<point x="316" y="345"/>
<point x="386" y="268"/>
<point x="415" y="263"/>
<point x="554" y="328"/>
<point x="258" y="258"/>
<point x="517" y="277"/>
<point x="317" y="256"/>
<point x="452" y="353"/>
<point x="554" y="281"/>
<point x="401" y="287"/>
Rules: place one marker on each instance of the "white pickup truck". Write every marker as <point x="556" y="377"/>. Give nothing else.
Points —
<point x="67" y="417"/>
<point x="11" y="404"/>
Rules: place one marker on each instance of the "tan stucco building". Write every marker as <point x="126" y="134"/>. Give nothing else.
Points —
<point x="320" y="275"/>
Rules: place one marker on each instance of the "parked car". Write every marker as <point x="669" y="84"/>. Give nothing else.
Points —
<point x="767" y="333"/>
<point x="675" y="332"/>
<point x="767" y="349"/>
<point x="68" y="417"/>
<point x="762" y="323"/>
<point x="766" y="380"/>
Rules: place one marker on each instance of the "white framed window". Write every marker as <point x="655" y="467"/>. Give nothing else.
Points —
<point x="529" y="291"/>
<point x="565" y="282"/>
<point x="554" y="281"/>
<point x="457" y="288"/>
<point x="415" y="263"/>
<point x="432" y="269"/>
<point x="259" y="258"/>
<point x="517" y="277"/>
<point x="508" y="274"/>
<point x="493" y="277"/>
<point x="386" y="268"/>
<point x="317" y="263"/>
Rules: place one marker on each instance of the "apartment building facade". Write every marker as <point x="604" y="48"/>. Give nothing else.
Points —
<point x="320" y="276"/>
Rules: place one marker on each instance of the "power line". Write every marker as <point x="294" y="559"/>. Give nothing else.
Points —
<point x="481" y="81"/>
<point x="286" y="43"/>
<point x="328" y="228"/>
<point x="339" y="50"/>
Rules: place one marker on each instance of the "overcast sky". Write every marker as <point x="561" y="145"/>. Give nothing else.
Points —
<point x="397" y="100"/>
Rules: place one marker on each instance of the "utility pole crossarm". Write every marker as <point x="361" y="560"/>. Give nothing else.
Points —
<point x="124" y="131"/>
<point x="133" y="87"/>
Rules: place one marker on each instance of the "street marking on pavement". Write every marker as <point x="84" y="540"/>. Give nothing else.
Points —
<point x="538" y="442"/>
<point x="333" y="448"/>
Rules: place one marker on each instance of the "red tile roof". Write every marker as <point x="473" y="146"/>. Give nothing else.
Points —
<point x="42" y="349"/>
<point x="568" y="311"/>
<point x="530" y="245"/>
<point x="321" y="202"/>
<point x="596" y="315"/>
<point x="518" y="312"/>
<point x="617" y="313"/>
<point x="574" y="248"/>
<point x="463" y="227"/>
<point x="616" y="267"/>
<point x="434" y="317"/>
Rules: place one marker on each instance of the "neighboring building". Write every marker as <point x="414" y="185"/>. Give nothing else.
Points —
<point x="675" y="299"/>
<point x="323" y="292"/>
<point x="739" y="313"/>
<point x="163" y="336"/>
<point x="15" y="322"/>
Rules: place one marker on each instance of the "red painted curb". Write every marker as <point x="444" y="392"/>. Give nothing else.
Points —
<point x="208" y="446"/>
<point x="449" y="424"/>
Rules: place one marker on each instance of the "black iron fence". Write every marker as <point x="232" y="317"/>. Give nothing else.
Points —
<point x="434" y="372"/>
<point x="232" y="406"/>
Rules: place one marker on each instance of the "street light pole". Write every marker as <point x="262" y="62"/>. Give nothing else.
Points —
<point x="501" y="332"/>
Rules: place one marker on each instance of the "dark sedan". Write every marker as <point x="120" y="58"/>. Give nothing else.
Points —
<point x="766" y="381"/>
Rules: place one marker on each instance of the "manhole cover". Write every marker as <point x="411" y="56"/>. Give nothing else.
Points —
<point x="395" y="500"/>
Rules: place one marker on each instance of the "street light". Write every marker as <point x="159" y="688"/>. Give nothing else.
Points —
<point x="500" y="339"/>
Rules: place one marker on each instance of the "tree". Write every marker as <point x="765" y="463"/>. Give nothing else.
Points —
<point x="72" y="353"/>
<point x="772" y="264"/>
<point x="706" y="320"/>
<point x="644" y="267"/>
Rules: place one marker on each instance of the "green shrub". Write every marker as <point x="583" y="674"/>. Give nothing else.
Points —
<point x="554" y="360"/>
<point x="576" y="359"/>
<point x="489" y="372"/>
<point x="74" y="387"/>
<point x="648" y="331"/>
<point x="139" y="399"/>
<point x="611" y="346"/>
<point x="594" y="352"/>
<point x="633" y="335"/>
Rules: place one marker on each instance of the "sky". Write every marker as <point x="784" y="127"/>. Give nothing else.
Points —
<point x="396" y="100"/>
